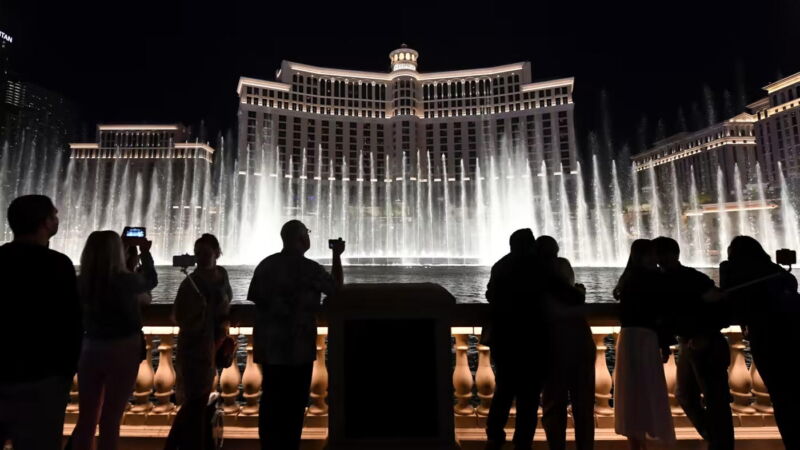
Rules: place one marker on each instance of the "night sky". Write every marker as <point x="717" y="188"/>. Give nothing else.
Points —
<point x="140" y="61"/>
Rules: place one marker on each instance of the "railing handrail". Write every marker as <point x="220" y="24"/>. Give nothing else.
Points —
<point x="464" y="314"/>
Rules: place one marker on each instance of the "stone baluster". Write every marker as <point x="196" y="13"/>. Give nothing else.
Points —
<point x="671" y="375"/>
<point x="144" y="382"/>
<point x="71" y="415"/>
<point x="164" y="379"/>
<point x="72" y="406"/>
<point x="484" y="380"/>
<point x="251" y="381"/>
<point x="319" y="381"/>
<point x="738" y="375"/>
<point x="602" y="377"/>
<point x="462" y="377"/>
<point x="229" y="384"/>
<point x="763" y="404"/>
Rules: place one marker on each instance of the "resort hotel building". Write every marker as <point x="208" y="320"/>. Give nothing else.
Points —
<point x="375" y="125"/>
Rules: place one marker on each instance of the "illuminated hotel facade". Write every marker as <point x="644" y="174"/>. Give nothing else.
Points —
<point x="719" y="148"/>
<point x="777" y="128"/>
<point x="354" y="125"/>
<point x="141" y="142"/>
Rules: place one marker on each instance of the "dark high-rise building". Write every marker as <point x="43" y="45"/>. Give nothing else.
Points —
<point x="30" y="114"/>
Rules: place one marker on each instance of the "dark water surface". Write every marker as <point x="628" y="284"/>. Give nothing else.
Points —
<point x="466" y="283"/>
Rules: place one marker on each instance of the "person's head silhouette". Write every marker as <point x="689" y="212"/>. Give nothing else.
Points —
<point x="295" y="237"/>
<point x="522" y="242"/>
<point x="33" y="218"/>
<point x="746" y="250"/>
<point x="668" y="252"/>
<point x="547" y="247"/>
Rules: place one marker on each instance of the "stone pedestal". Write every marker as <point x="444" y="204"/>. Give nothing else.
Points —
<point x="389" y="355"/>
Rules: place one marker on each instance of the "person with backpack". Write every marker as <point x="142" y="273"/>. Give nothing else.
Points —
<point x="201" y="310"/>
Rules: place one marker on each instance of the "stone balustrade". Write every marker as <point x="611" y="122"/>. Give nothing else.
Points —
<point x="152" y="400"/>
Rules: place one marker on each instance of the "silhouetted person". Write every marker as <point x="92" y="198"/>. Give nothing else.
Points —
<point x="641" y="403"/>
<point x="286" y="289"/>
<point x="770" y="326"/>
<point x="201" y="310"/>
<point x="517" y="323"/>
<point x="40" y="328"/>
<point x="571" y="366"/>
<point x="702" y="380"/>
<point x="112" y="348"/>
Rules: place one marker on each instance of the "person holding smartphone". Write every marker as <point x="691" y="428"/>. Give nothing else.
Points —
<point x="112" y="346"/>
<point x="286" y="290"/>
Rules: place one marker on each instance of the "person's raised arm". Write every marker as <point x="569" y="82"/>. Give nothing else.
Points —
<point x="71" y="317"/>
<point x="336" y="269"/>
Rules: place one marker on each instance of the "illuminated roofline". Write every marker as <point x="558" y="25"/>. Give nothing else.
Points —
<point x="381" y="76"/>
<point x="782" y="83"/>
<point x="262" y="84"/>
<point x="570" y="81"/>
<point x="83" y="145"/>
<point x="137" y="127"/>
<point x="194" y="145"/>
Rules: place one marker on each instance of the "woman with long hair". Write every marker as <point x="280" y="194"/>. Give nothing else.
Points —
<point x="201" y="311"/>
<point x="765" y="299"/>
<point x="640" y="389"/>
<point x="112" y="345"/>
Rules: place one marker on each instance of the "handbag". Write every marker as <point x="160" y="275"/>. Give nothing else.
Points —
<point x="226" y="345"/>
<point x="225" y="351"/>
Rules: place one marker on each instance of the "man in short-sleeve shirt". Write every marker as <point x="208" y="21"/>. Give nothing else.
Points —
<point x="286" y="289"/>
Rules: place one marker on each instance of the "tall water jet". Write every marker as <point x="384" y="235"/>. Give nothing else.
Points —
<point x="724" y="226"/>
<point x="695" y="218"/>
<point x="655" y="209"/>
<point x="604" y="248"/>
<point x="637" y="207"/>
<point x="677" y="208"/>
<point x="617" y="222"/>
<point x="585" y="248"/>
<point x="791" y="234"/>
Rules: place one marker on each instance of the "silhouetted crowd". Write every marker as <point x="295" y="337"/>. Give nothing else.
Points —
<point x="536" y="302"/>
<point x="91" y="324"/>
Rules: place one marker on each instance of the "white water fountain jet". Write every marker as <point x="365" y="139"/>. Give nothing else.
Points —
<point x="637" y="206"/>
<point x="463" y="207"/>
<point x="585" y="248"/>
<point x="744" y="228"/>
<point x="677" y="209"/>
<point x="617" y="219"/>
<point x="418" y="209"/>
<point x="429" y="186"/>
<point x="387" y="206"/>
<point x="403" y="248"/>
<point x="303" y="177"/>
<point x="791" y="234"/>
<point x="604" y="246"/>
<point x="318" y="197"/>
<point x="766" y="231"/>
<point x="138" y="199"/>
<point x="480" y="208"/>
<point x="345" y="191"/>
<point x="358" y="247"/>
<point x="567" y="240"/>
<point x="697" y="254"/>
<point x="724" y="225"/>
<point x="373" y="202"/>
<point x="546" y="202"/>
<point x="446" y="207"/>
<point x="655" y="209"/>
